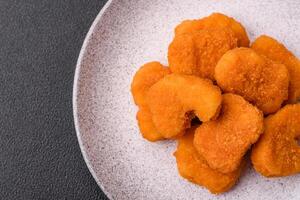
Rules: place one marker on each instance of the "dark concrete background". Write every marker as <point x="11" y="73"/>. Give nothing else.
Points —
<point x="39" y="44"/>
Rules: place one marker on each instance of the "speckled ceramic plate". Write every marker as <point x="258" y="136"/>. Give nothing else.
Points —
<point x="127" y="34"/>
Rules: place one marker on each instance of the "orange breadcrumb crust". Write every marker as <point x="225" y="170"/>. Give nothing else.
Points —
<point x="256" y="78"/>
<point x="197" y="53"/>
<point x="276" y="51"/>
<point x="193" y="167"/>
<point x="175" y="99"/>
<point x="223" y="142"/>
<point x="277" y="152"/>
<point x="144" y="78"/>
<point x="215" y="21"/>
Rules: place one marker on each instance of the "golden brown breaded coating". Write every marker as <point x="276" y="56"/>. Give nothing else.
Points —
<point x="144" y="78"/>
<point x="223" y="142"/>
<point x="176" y="99"/>
<point x="215" y="21"/>
<point x="194" y="168"/>
<point x="147" y="128"/>
<point x="256" y="78"/>
<point x="276" y="51"/>
<point x="198" y="53"/>
<point x="277" y="152"/>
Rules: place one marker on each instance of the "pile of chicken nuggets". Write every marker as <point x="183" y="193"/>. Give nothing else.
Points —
<point x="221" y="97"/>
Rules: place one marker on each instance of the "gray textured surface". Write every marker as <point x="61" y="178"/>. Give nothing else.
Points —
<point x="129" y="34"/>
<point x="39" y="44"/>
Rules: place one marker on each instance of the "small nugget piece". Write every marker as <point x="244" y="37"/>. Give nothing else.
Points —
<point x="256" y="78"/>
<point x="144" y="78"/>
<point x="176" y="99"/>
<point x="198" y="53"/>
<point x="274" y="50"/>
<point x="277" y="152"/>
<point x="146" y="125"/>
<point x="224" y="141"/>
<point x="193" y="167"/>
<point x="215" y="21"/>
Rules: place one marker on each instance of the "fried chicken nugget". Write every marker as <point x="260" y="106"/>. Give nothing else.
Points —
<point x="198" y="53"/>
<point x="256" y="78"/>
<point x="277" y="152"/>
<point x="271" y="48"/>
<point x="176" y="99"/>
<point x="144" y="78"/>
<point x="147" y="128"/>
<point x="193" y="167"/>
<point x="215" y="21"/>
<point x="223" y="142"/>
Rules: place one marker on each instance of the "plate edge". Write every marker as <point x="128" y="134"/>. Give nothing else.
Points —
<point x="75" y="94"/>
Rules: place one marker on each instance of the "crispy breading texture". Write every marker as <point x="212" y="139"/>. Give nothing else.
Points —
<point x="277" y="152"/>
<point x="176" y="99"/>
<point x="144" y="78"/>
<point x="146" y="125"/>
<point x="194" y="168"/>
<point x="256" y="78"/>
<point x="274" y="50"/>
<point x="223" y="142"/>
<point x="197" y="53"/>
<point x="215" y="21"/>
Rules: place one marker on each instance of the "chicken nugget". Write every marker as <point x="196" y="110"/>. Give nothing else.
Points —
<point x="176" y="99"/>
<point x="277" y="152"/>
<point x="215" y="21"/>
<point x="194" y="168"/>
<point x="147" y="128"/>
<point x="223" y="142"/>
<point x="274" y="50"/>
<point x="258" y="79"/>
<point x="198" y="53"/>
<point x="144" y="78"/>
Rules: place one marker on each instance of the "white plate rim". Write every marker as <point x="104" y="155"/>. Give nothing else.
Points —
<point x="75" y="94"/>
